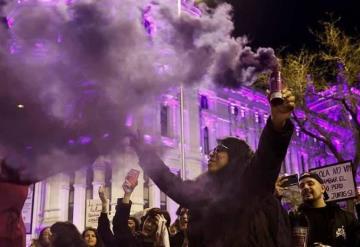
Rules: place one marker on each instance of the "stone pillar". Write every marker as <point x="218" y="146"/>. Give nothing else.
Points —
<point x="79" y="199"/>
<point x="99" y="175"/>
<point x="171" y="207"/>
<point x="192" y="130"/>
<point x="64" y="194"/>
<point x="57" y="199"/>
<point x="154" y="195"/>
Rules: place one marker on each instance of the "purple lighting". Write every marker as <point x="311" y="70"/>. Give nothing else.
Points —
<point x="85" y="140"/>
<point x="129" y="120"/>
<point x="71" y="142"/>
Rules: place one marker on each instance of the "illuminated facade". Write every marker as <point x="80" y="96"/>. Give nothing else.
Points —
<point x="208" y="116"/>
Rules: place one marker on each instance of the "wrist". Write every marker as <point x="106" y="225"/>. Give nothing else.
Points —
<point x="126" y="198"/>
<point x="278" y="124"/>
<point x="127" y="194"/>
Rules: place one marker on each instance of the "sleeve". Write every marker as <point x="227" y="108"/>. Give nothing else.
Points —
<point x="266" y="164"/>
<point x="353" y="231"/>
<point x="104" y="230"/>
<point x="121" y="230"/>
<point x="186" y="193"/>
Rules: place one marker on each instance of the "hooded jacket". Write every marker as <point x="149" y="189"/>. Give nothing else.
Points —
<point x="235" y="206"/>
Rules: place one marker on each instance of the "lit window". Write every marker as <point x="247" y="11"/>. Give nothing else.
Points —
<point x="164" y="112"/>
<point x="204" y="102"/>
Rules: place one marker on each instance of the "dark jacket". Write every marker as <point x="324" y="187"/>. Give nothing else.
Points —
<point x="178" y="238"/>
<point x="340" y="220"/>
<point x="236" y="206"/>
<point x="105" y="232"/>
<point x="122" y="236"/>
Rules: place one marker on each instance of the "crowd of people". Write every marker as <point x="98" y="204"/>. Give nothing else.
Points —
<point x="237" y="202"/>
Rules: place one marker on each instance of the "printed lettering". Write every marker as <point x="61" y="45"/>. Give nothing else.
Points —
<point x="337" y="170"/>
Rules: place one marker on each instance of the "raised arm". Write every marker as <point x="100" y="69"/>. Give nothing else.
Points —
<point x="122" y="232"/>
<point x="103" y="222"/>
<point x="186" y="193"/>
<point x="273" y="145"/>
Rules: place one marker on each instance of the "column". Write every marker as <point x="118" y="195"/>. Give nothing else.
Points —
<point x="57" y="199"/>
<point x="154" y="195"/>
<point x="79" y="199"/>
<point x="99" y="175"/>
<point x="192" y="130"/>
<point x="64" y="194"/>
<point x="171" y="207"/>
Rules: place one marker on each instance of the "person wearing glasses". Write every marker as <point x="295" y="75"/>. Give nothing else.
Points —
<point x="233" y="203"/>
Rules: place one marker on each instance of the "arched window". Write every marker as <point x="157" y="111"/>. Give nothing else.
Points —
<point x="234" y="110"/>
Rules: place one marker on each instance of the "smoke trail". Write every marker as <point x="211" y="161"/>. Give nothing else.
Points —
<point x="72" y="73"/>
<point x="208" y="47"/>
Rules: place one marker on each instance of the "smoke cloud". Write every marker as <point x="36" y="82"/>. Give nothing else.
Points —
<point x="71" y="73"/>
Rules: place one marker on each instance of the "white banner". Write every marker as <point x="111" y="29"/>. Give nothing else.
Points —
<point x="93" y="211"/>
<point x="339" y="180"/>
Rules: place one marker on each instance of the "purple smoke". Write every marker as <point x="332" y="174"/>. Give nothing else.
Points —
<point x="80" y="69"/>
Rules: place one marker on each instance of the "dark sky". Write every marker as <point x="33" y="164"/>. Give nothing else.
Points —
<point x="279" y="23"/>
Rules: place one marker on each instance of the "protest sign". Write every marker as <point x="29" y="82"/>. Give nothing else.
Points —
<point x="93" y="211"/>
<point x="339" y="180"/>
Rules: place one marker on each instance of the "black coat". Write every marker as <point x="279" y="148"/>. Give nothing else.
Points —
<point x="236" y="206"/>
<point x="122" y="236"/>
<point x="338" y="219"/>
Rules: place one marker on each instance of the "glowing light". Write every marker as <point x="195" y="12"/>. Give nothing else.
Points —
<point x="20" y="106"/>
<point x="85" y="140"/>
<point x="179" y="7"/>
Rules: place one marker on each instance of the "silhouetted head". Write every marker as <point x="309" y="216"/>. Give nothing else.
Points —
<point x="133" y="224"/>
<point x="230" y="150"/>
<point x="65" y="234"/>
<point x="44" y="237"/>
<point x="183" y="216"/>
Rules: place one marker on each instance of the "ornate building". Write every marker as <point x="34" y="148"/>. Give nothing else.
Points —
<point x="208" y="115"/>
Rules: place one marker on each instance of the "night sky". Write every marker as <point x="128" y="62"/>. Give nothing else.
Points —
<point x="286" y="23"/>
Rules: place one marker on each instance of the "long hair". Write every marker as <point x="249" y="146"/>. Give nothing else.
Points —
<point x="65" y="234"/>
<point x="99" y="242"/>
